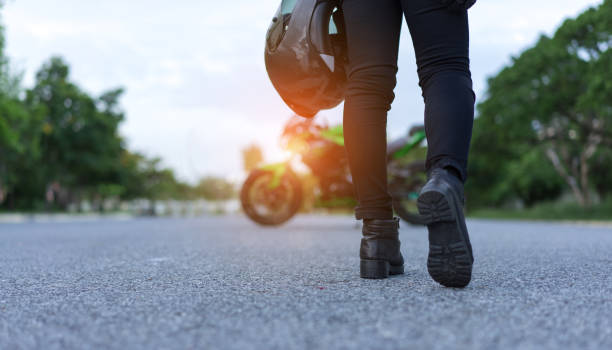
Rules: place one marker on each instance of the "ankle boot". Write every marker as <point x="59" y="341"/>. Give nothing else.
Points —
<point x="380" y="249"/>
<point x="450" y="251"/>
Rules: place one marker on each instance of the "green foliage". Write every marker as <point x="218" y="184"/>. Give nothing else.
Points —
<point x="80" y="146"/>
<point x="601" y="172"/>
<point x="215" y="188"/>
<point x="151" y="180"/>
<point x="533" y="182"/>
<point x="60" y="145"/>
<point x="547" y="117"/>
<point x="19" y="144"/>
<point x="9" y="82"/>
<point x="549" y="211"/>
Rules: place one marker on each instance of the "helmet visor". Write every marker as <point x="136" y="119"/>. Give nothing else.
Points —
<point x="280" y="23"/>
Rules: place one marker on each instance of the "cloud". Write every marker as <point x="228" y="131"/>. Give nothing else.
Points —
<point x="214" y="66"/>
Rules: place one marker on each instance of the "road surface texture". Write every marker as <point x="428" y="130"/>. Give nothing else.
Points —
<point x="225" y="283"/>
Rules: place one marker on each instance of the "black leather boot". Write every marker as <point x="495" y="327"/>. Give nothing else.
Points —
<point x="380" y="249"/>
<point x="450" y="252"/>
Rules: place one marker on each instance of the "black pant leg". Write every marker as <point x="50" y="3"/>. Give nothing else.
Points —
<point x="441" y="44"/>
<point x="373" y="29"/>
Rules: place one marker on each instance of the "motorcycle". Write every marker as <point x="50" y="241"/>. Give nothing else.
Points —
<point x="273" y="193"/>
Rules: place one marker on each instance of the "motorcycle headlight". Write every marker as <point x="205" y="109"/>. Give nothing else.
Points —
<point x="297" y="145"/>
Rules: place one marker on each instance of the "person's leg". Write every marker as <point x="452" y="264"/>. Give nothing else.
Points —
<point x="372" y="30"/>
<point x="441" y="44"/>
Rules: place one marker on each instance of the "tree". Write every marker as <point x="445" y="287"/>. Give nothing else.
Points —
<point x="555" y="100"/>
<point x="18" y="128"/>
<point x="159" y="183"/>
<point x="9" y="82"/>
<point x="60" y="145"/>
<point x="215" y="188"/>
<point x="80" y="145"/>
<point x="19" y="136"/>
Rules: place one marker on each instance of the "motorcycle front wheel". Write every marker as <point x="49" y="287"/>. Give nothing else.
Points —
<point x="269" y="201"/>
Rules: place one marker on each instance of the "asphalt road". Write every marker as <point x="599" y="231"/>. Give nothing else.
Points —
<point x="224" y="283"/>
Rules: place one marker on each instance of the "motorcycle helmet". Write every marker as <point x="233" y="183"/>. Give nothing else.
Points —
<point x="305" y="55"/>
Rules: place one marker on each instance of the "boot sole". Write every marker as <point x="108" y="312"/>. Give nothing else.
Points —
<point x="378" y="269"/>
<point x="450" y="261"/>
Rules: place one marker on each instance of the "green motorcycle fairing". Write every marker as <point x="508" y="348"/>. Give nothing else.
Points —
<point x="415" y="140"/>
<point x="335" y="134"/>
<point x="278" y="170"/>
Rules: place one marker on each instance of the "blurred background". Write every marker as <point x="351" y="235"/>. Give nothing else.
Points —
<point x="157" y="107"/>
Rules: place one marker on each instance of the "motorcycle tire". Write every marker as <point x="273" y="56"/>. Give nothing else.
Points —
<point x="288" y="193"/>
<point x="405" y="205"/>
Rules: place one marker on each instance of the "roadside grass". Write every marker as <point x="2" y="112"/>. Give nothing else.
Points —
<point x="549" y="211"/>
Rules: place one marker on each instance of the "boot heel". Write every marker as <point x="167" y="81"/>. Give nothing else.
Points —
<point x="374" y="269"/>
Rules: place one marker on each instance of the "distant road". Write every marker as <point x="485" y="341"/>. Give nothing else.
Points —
<point x="225" y="283"/>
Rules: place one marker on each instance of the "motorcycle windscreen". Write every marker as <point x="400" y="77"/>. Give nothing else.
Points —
<point x="280" y="24"/>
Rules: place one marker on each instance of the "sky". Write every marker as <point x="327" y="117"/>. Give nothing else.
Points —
<point x="196" y="87"/>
